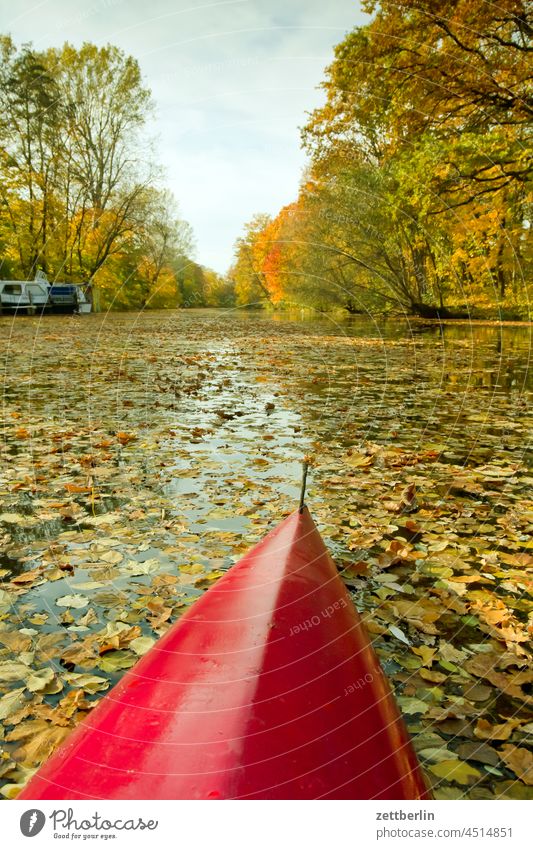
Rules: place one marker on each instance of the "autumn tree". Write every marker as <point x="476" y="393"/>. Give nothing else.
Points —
<point x="445" y="113"/>
<point x="80" y="189"/>
<point x="29" y="155"/>
<point x="247" y="272"/>
<point x="418" y="192"/>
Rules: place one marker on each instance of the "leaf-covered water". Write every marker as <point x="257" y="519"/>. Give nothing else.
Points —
<point x="143" y="454"/>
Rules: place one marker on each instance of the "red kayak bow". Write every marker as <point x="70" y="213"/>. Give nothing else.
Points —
<point x="267" y="688"/>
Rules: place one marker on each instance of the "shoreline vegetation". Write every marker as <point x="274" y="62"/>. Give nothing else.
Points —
<point x="417" y="193"/>
<point x="416" y="196"/>
<point x="82" y="193"/>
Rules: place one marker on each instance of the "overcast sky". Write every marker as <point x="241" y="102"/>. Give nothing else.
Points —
<point x="232" y="81"/>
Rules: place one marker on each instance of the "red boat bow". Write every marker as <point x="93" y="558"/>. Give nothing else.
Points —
<point x="267" y="688"/>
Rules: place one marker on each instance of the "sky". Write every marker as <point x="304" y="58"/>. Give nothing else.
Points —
<point x="232" y="81"/>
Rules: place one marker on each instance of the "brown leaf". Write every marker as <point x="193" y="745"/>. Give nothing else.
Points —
<point x="520" y="760"/>
<point x="14" y="641"/>
<point x="26" y="577"/>
<point x="124" y="438"/>
<point x="502" y="731"/>
<point x="41" y="740"/>
<point x="472" y="751"/>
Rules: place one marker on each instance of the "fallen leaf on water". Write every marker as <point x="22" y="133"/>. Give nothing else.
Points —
<point x="26" y="578"/>
<point x="399" y="634"/>
<point x="86" y="682"/>
<point x="115" y="660"/>
<point x="432" y="676"/>
<point x="427" y="654"/>
<point x="450" y="653"/>
<point x="477" y="692"/>
<point x="435" y="755"/>
<point x="11" y="702"/>
<point x="211" y="576"/>
<point x="41" y="738"/>
<point x="191" y="568"/>
<point x="502" y="731"/>
<point x="10" y="670"/>
<point x="14" y="641"/>
<point x="411" y="705"/>
<point x="141" y="645"/>
<point x="472" y="751"/>
<point x="455" y="770"/>
<point x="124" y="438"/>
<point x="39" y="679"/>
<point x="520" y="760"/>
<point x="77" y="601"/>
<point x="63" y="712"/>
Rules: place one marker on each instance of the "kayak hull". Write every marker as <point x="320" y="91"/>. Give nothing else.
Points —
<point x="267" y="688"/>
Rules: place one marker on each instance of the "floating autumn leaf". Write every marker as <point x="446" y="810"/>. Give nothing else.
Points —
<point x="12" y="518"/>
<point x="477" y="692"/>
<point x="76" y="600"/>
<point x="484" y="666"/>
<point x="117" y="635"/>
<point x="426" y="653"/>
<point x="520" y="760"/>
<point x="146" y="567"/>
<point x="359" y="461"/>
<point x="26" y="577"/>
<point x="39" y="679"/>
<point x="455" y="770"/>
<point x="191" y="568"/>
<point x="125" y="438"/>
<point x="432" y="676"/>
<point x="11" y="702"/>
<point x="86" y="682"/>
<point x="141" y="645"/>
<point x="80" y="654"/>
<point x="13" y="671"/>
<point x="412" y="705"/>
<point x="450" y="653"/>
<point x="435" y="755"/>
<point x="15" y="641"/>
<point x="161" y="614"/>
<point x="209" y="578"/>
<point x="500" y="731"/>
<point x="399" y="634"/>
<point x="422" y="613"/>
<point x="63" y="712"/>
<point x="39" y="739"/>
<point x="111" y="557"/>
<point x="474" y="751"/>
<point x="115" y="660"/>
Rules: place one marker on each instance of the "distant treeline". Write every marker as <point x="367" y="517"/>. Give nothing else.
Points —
<point x="417" y="196"/>
<point x="81" y="194"/>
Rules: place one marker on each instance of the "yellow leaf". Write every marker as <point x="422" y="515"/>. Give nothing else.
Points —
<point x="426" y="654"/>
<point x="455" y="770"/>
